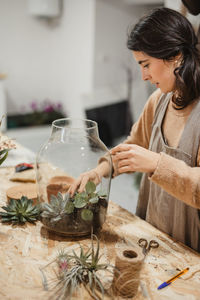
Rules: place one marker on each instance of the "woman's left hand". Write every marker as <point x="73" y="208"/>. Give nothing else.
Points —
<point x="133" y="158"/>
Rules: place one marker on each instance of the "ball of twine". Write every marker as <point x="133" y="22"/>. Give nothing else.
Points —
<point x="128" y="265"/>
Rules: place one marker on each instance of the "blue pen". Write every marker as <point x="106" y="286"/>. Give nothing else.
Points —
<point x="168" y="282"/>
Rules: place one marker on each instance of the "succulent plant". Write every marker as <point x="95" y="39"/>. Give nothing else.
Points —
<point x="64" y="204"/>
<point x="57" y="207"/>
<point x="87" y="200"/>
<point x="76" y="269"/>
<point x="20" y="211"/>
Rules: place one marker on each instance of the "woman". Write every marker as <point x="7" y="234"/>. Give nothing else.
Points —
<point x="164" y="143"/>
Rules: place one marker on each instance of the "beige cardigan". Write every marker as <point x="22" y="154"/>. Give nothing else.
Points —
<point x="169" y="169"/>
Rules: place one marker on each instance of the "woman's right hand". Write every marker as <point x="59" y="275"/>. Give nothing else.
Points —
<point x="80" y="183"/>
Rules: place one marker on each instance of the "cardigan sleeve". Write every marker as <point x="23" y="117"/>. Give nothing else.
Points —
<point x="178" y="179"/>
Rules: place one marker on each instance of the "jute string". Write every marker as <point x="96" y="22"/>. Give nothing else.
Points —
<point x="128" y="262"/>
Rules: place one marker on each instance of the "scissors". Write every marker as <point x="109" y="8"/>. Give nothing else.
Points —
<point x="143" y="243"/>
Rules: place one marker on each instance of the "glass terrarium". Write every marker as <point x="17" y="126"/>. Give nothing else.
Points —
<point x="73" y="148"/>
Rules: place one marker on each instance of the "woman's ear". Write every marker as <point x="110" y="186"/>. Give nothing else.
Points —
<point x="177" y="60"/>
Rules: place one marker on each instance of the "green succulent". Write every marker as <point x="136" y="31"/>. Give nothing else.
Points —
<point x="20" y="211"/>
<point x="64" y="204"/>
<point x="57" y="207"/>
<point x="87" y="200"/>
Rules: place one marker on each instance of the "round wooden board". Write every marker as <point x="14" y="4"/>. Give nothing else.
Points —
<point x="16" y="192"/>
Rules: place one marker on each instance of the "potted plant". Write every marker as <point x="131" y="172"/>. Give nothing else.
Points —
<point x="75" y="215"/>
<point x="43" y="113"/>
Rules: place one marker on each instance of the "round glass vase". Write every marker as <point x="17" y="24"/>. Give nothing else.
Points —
<point x="73" y="148"/>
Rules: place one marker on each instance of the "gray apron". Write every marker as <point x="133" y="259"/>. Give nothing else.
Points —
<point x="167" y="213"/>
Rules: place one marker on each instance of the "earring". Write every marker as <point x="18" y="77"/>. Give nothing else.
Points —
<point x="176" y="64"/>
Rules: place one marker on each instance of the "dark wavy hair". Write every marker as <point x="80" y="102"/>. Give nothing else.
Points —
<point x="165" y="33"/>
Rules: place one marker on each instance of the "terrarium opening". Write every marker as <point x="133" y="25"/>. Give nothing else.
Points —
<point x="75" y="123"/>
<point x="71" y="126"/>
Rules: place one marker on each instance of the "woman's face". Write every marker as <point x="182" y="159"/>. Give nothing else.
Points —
<point x="157" y="71"/>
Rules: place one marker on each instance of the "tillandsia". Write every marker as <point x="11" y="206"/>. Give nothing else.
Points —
<point x="83" y="269"/>
<point x="6" y="144"/>
<point x="20" y="211"/>
<point x="64" y="204"/>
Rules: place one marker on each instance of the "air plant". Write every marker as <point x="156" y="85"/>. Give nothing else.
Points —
<point x="75" y="270"/>
<point x="20" y="211"/>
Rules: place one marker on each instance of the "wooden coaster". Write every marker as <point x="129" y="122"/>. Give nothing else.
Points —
<point x="16" y="192"/>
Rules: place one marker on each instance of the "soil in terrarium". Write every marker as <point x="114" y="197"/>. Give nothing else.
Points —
<point x="76" y="215"/>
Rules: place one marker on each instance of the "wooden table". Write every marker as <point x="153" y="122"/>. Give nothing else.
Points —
<point x="25" y="249"/>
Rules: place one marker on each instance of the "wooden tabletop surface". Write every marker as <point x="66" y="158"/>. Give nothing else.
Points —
<point x="24" y="250"/>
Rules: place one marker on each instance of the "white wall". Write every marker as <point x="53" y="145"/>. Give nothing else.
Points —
<point x="111" y="56"/>
<point x="111" y="53"/>
<point x="112" y="59"/>
<point x="80" y="59"/>
<point x="174" y="4"/>
<point x="46" y="60"/>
